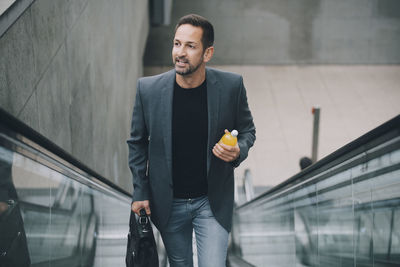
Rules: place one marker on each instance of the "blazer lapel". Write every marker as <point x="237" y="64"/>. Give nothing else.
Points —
<point x="167" y="94"/>
<point x="213" y="95"/>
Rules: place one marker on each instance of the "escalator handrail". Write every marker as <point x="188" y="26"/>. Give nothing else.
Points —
<point x="353" y="148"/>
<point x="20" y="128"/>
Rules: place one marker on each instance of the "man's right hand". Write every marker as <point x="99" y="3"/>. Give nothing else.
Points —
<point x="138" y="205"/>
<point x="3" y="207"/>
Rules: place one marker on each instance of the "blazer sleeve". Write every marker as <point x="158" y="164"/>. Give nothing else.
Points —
<point x="244" y="124"/>
<point x="138" y="150"/>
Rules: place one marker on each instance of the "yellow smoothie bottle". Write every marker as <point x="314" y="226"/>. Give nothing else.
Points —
<point x="229" y="139"/>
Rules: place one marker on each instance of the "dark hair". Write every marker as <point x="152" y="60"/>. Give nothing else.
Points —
<point x="198" y="21"/>
<point x="305" y="162"/>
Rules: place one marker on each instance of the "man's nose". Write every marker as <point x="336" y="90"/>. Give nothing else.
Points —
<point x="181" y="51"/>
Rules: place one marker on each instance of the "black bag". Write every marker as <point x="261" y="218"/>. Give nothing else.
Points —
<point x="13" y="246"/>
<point x="141" y="249"/>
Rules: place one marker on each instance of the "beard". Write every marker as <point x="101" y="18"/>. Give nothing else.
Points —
<point x="189" y="69"/>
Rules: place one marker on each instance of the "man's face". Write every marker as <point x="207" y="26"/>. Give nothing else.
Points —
<point x="187" y="52"/>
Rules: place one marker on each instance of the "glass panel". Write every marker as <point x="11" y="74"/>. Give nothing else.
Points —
<point x="66" y="223"/>
<point x="89" y="226"/>
<point x="347" y="215"/>
<point x="335" y="232"/>
<point x="395" y="245"/>
<point x="33" y="190"/>
<point x="267" y="237"/>
<point x="363" y="222"/>
<point x="386" y="200"/>
<point x="112" y="229"/>
<point x="306" y="226"/>
<point x="69" y="217"/>
<point x="65" y="220"/>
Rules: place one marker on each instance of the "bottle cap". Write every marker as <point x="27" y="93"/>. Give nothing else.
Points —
<point x="234" y="133"/>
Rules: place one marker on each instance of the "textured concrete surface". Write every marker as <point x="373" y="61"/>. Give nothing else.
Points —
<point x="291" y="31"/>
<point x="17" y="65"/>
<point x="353" y="101"/>
<point x="69" y="70"/>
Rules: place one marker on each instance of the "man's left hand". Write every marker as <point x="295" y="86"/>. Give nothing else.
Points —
<point x="226" y="153"/>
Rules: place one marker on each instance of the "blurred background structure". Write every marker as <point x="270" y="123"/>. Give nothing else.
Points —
<point x="68" y="71"/>
<point x="340" y="55"/>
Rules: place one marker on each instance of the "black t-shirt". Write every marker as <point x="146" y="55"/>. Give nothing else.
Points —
<point x="189" y="141"/>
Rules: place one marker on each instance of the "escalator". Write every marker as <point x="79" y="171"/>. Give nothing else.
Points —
<point x="71" y="215"/>
<point x="343" y="210"/>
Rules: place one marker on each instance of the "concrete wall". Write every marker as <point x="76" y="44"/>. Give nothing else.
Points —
<point x="69" y="69"/>
<point x="291" y="31"/>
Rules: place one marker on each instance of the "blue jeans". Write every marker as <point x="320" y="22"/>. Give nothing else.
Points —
<point x="211" y="238"/>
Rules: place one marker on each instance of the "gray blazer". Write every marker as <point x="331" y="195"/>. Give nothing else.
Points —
<point x="150" y="142"/>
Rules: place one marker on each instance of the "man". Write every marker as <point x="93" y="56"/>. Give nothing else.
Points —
<point x="181" y="175"/>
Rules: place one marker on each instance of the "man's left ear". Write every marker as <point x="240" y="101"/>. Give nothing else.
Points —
<point x="208" y="54"/>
